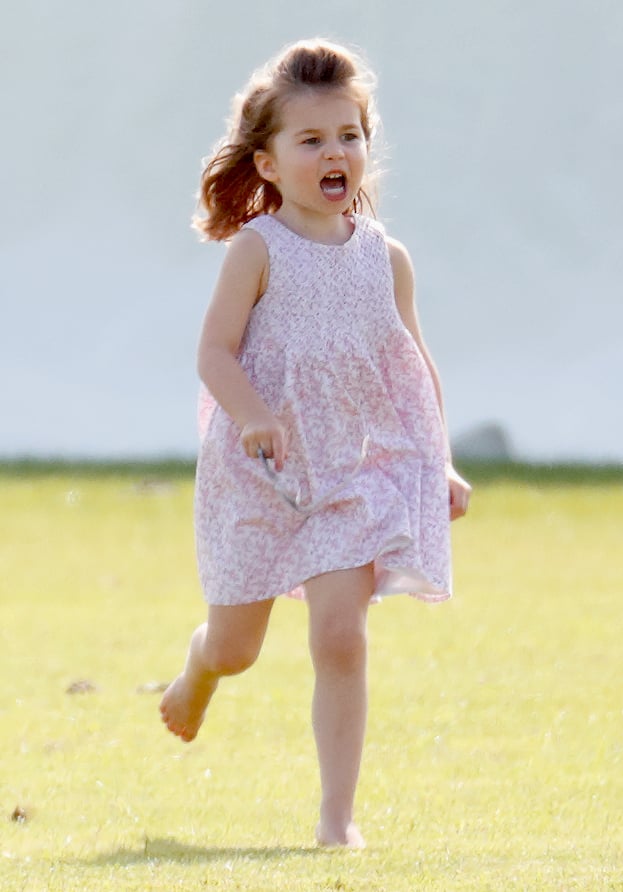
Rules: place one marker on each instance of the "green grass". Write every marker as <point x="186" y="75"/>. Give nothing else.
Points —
<point x="494" y="757"/>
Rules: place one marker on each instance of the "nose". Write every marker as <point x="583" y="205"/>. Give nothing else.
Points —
<point x="334" y="149"/>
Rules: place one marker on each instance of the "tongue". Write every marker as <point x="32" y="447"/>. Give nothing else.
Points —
<point x="333" y="187"/>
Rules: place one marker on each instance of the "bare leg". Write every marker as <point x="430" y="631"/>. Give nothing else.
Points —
<point x="338" y="607"/>
<point x="226" y="645"/>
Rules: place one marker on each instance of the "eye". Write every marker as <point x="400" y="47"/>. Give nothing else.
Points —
<point x="351" y="136"/>
<point x="311" y="141"/>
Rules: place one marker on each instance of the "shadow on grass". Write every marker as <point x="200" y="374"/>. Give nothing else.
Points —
<point x="172" y="850"/>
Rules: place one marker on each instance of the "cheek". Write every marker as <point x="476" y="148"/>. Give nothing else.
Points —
<point x="360" y="158"/>
<point x="360" y="150"/>
<point x="305" y="170"/>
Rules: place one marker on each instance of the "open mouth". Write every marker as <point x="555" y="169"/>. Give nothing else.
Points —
<point x="334" y="186"/>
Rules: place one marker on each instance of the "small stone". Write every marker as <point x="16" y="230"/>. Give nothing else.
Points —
<point x="20" y="815"/>
<point x="81" y="686"/>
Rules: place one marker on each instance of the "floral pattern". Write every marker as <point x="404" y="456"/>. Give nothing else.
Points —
<point x="327" y="350"/>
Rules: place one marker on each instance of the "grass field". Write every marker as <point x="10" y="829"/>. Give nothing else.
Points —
<point x="494" y="757"/>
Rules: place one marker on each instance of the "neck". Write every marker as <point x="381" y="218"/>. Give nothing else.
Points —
<point x="334" y="229"/>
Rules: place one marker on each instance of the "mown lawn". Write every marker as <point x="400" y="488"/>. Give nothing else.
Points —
<point x="494" y="758"/>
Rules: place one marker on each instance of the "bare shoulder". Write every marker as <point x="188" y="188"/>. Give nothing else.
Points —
<point x="400" y="260"/>
<point x="404" y="278"/>
<point x="248" y="240"/>
<point x="249" y="248"/>
<point x="246" y="263"/>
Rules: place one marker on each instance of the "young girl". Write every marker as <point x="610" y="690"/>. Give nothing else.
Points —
<point x="324" y="463"/>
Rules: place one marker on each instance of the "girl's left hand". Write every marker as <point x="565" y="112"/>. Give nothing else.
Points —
<point x="460" y="491"/>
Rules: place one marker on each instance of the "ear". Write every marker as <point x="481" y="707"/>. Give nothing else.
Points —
<point x="265" y="165"/>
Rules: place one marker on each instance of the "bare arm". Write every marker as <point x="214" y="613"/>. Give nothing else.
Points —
<point x="404" y="291"/>
<point x="242" y="281"/>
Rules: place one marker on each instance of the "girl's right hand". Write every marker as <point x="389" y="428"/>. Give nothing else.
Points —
<point x="268" y="435"/>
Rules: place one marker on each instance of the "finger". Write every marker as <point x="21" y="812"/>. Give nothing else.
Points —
<point x="266" y="448"/>
<point x="455" y="513"/>
<point x="252" y="446"/>
<point x="279" y="452"/>
<point x="458" y="504"/>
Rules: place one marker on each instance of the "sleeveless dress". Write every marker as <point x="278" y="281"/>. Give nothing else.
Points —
<point x="327" y="350"/>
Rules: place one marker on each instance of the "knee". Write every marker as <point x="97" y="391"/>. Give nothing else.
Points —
<point x="337" y="646"/>
<point x="227" y="658"/>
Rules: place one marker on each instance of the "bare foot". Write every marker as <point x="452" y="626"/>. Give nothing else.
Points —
<point x="183" y="708"/>
<point x="184" y="702"/>
<point x="350" y="836"/>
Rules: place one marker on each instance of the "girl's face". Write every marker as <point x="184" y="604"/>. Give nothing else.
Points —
<point x="317" y="159"/>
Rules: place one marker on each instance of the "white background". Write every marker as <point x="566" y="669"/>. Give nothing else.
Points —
<point x="503" y="128"/>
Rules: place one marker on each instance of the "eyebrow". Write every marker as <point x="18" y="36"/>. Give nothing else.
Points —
<point x="320" y="129"/>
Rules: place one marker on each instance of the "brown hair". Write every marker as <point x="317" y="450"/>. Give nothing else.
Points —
<point x="232" y="192"/>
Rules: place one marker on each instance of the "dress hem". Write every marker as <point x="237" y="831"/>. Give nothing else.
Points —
<point x="387" y="584"/>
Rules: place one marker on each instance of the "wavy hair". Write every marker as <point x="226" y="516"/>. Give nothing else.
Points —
<point x="231" y="191"/>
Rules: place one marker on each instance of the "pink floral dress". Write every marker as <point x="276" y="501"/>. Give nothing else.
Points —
<point x="364" y="480"/>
